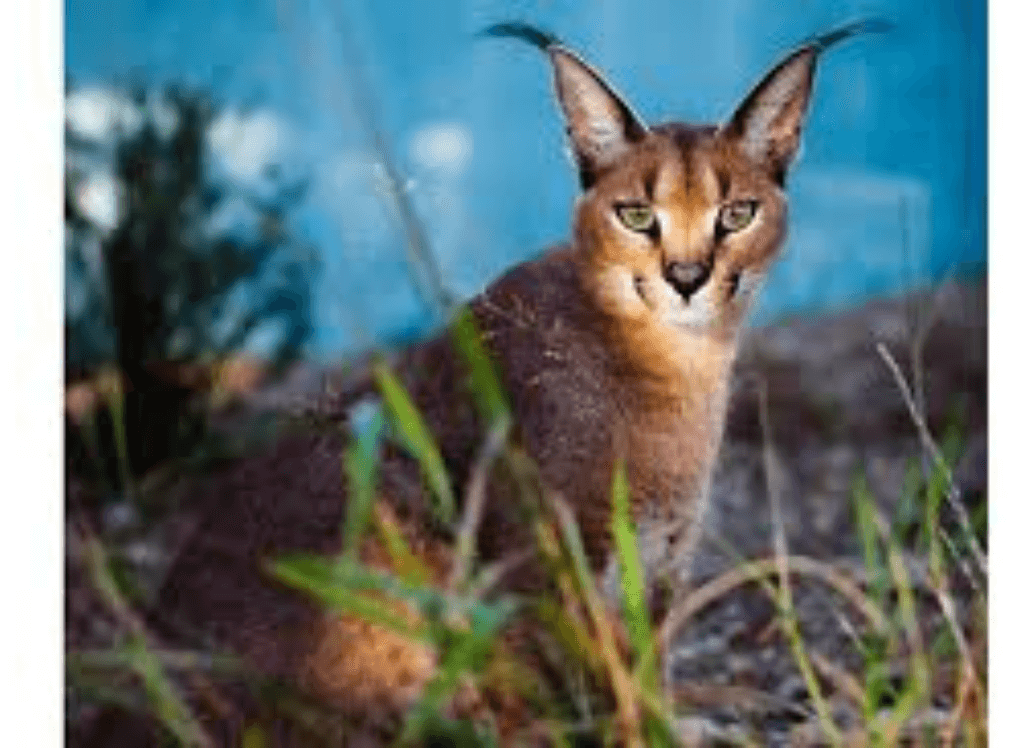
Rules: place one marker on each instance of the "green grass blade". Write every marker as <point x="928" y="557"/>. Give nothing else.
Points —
<point x="416" y="437"/>
<point x="864" y="516"/>
<point x="408" y="567"/>
<point x="254" y="737"/>
<point x="114" y="395"/>
<point x="162" y="694"/>
<point x="908" y="510"/>
<point x="484" y="381"/>
<point x="915" y="693"/>
<point x="875" y="648"/>
<point x="360" y="464"/>
<point x="570" y="633"/>
<point x="935" y="492"/>
<point x="343" y="587"/>
<point x="168" y="703"/>
<point x="578" y="561"/>
<point x="631" y="577"/>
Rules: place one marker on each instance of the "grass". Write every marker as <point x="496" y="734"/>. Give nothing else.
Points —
<point x="134" y="653"/>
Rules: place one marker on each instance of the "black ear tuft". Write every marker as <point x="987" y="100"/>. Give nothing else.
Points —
<point x="866" y="26"/>
<point x="601" y="124"/>
<point x="519" y="30"/>
<point x="768" y="124"/>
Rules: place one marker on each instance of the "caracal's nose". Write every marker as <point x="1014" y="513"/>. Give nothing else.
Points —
<point x="687" y="277"/>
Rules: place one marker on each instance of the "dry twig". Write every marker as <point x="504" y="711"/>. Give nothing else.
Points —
<point x="755" y="571"/>
<point x="952" y="493"/>
<point x="476" y="491"/>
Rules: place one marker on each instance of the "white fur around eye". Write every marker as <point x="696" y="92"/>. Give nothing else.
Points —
<point x="664" y="222"/>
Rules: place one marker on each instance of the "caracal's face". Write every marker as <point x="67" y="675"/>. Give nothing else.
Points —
<point x="678" y="224"/>
<point x="681" y="229"/>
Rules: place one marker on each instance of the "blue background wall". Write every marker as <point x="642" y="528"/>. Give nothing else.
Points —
<point x="889" y="193"/>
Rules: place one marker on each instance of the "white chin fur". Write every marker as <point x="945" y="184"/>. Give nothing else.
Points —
<point x="700" y="312"/>
<point x="696" y="314"/>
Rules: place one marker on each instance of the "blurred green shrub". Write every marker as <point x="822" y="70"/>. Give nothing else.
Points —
<point x="180" y="282"/>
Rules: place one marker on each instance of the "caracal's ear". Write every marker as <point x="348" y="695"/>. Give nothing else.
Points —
<point x="601" y="124"/>
<point x="767" y="125"/>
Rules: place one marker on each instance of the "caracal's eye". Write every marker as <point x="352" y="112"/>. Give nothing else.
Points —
<point x="637" y="217"/>
<point x="736" y="215"/>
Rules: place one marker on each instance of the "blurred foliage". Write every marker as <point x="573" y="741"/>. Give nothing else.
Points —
<point x="180" y="276"/>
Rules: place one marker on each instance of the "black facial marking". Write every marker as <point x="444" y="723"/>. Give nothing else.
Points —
<point x="686" y="136"/>
<point x="733" y="282"/>
<point x="654" y="232"/>
<point x="724" y="182"/>
<point x="779" y="175"/>
<point x="638" y="286"/>
<point x="649" y="179"/>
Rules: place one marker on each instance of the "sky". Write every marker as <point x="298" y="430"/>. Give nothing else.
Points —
<point x="888" y="193"/>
